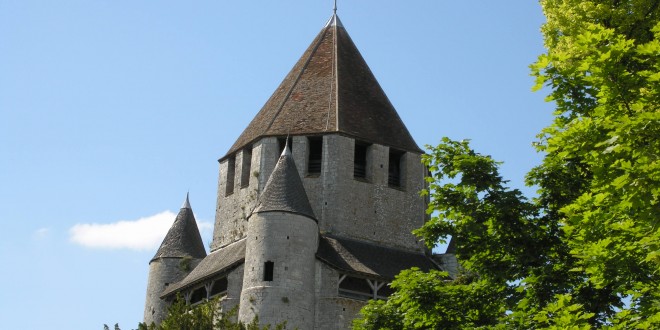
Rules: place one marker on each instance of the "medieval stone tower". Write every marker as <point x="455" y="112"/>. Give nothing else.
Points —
<point x="317" y="199"/>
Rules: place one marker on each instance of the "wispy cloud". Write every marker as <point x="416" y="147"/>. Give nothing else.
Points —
<point x="142" y="234"/>
<point x="41" y="233"/>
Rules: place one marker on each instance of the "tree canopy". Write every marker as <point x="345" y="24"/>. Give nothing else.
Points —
<point x="585" y="253"/>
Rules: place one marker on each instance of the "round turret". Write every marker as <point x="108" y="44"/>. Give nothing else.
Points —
<point x="181" y="250"/>
<point x="282" y="239"/>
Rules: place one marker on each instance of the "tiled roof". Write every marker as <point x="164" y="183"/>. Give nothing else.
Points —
<point x="330" y="90"/>
<point x="284" y="190"/>
<point x="215" y="263"/>
<point x="346" y="255"/>
<point x="183" y="238"/>
<point x="367" y="259"/>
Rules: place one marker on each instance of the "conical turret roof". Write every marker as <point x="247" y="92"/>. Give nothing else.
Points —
<point x="183" y="238"/>
<point x="284" y="190"/>
<point x="330" y="90"/>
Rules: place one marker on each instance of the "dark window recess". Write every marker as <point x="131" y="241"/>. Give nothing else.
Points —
<point x="219" y="287"/>
<point x="394" y="169"/>
<point x="385" y="291"/>
<point x="360" y="161"/>
<point x="356" y="288"/>
<point x="268" y="270"/>
<point x="315" y="155"/>
<point x="231" y="171"/>
<point x="198" y="295"/>
<point x="282" y="143"/>
<point x="245" y="168"/>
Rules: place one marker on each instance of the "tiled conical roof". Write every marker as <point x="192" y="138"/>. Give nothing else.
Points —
<point x="330" y="90"/>
<point x="183" y="238"/>
<point x="284" y="190"/>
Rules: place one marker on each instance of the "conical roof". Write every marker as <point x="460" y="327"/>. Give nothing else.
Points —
<point x="183" y="238"/>
<point x="330" y="90"/>
<point x="284" y="191"/>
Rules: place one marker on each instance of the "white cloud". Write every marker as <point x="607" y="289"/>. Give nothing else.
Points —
<point x="142" y="234"/>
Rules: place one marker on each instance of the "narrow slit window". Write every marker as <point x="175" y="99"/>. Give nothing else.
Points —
<point x="315" y="155"/>
<point x="246" y="167"/>
<point x="231" y="171"/>
<point x="268" y="270"/>
<point x="395" y="173"/>
<point x="360" y="161"/>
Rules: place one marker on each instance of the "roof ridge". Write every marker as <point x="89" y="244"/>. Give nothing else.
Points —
<point x="331" y="70"/>
<point x="295" y="83"/>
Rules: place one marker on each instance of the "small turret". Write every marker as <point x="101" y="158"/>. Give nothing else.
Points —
<point x="282" y="239"/>
<point x="181" y="250"/>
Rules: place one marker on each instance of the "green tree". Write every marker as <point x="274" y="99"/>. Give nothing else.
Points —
<point x="204" y="316"/>
<point x="586" y="252"/>
<point x="603" y="68"/>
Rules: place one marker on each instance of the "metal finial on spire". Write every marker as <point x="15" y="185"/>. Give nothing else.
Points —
<point x="334" y="9"/>
<point x="286" y="150"/>
<point x="186" y="204"/>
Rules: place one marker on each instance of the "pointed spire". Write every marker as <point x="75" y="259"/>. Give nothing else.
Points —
<point x="186" y="203"/>
<point x="284" y="190"/>
<point x="286" y="151"/>
<point x="330" y="90"/>
<point x="183" y="238"/>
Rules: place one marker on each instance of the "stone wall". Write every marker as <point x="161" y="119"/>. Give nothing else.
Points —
<point x="162" y="272"/>
<point x="332" y="312"/>
<point x="366" y="209"/>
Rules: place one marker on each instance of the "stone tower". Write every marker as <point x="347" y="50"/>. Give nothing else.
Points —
<point x="181" y="250"/>
<point x="278" y="280"/>
<point x="308" y="235"/>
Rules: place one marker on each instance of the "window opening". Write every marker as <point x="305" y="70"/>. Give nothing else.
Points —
<point x="363" y="289"/>
<point x="394" y="175"/>
<point x="198" y="295"/>
<point x="356" y="288"/>
<point x="219" y="287"/>
<point x="268" y="270"/>
<point x="245" y="167"/>
<point x="395" y="168"/>
<point x="360" y="161"/>
<point x="385" y="291"/>
<point x="282" y="143"/>
<point x="315" y="158"/>
<point x="231" y="170"/>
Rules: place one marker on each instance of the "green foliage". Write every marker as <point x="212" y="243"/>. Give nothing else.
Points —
<point x="603" y="67"/>
<point x="185" y="264"/>
<point x="431" y="301"/>
<point x="585" y="252"/>
<point x="204" y="316"/>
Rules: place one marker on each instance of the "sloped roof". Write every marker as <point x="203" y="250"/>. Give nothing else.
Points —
<point x="346" y="255"/>
<point x="284" y="190"/>
<point x="330" y="90"/>
<point x="215" y="263"/>
<point x="183" y="238"/>
<point x="366" y="259"/>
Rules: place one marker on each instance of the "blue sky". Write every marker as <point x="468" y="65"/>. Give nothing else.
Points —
<point x="110" y="111"/>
